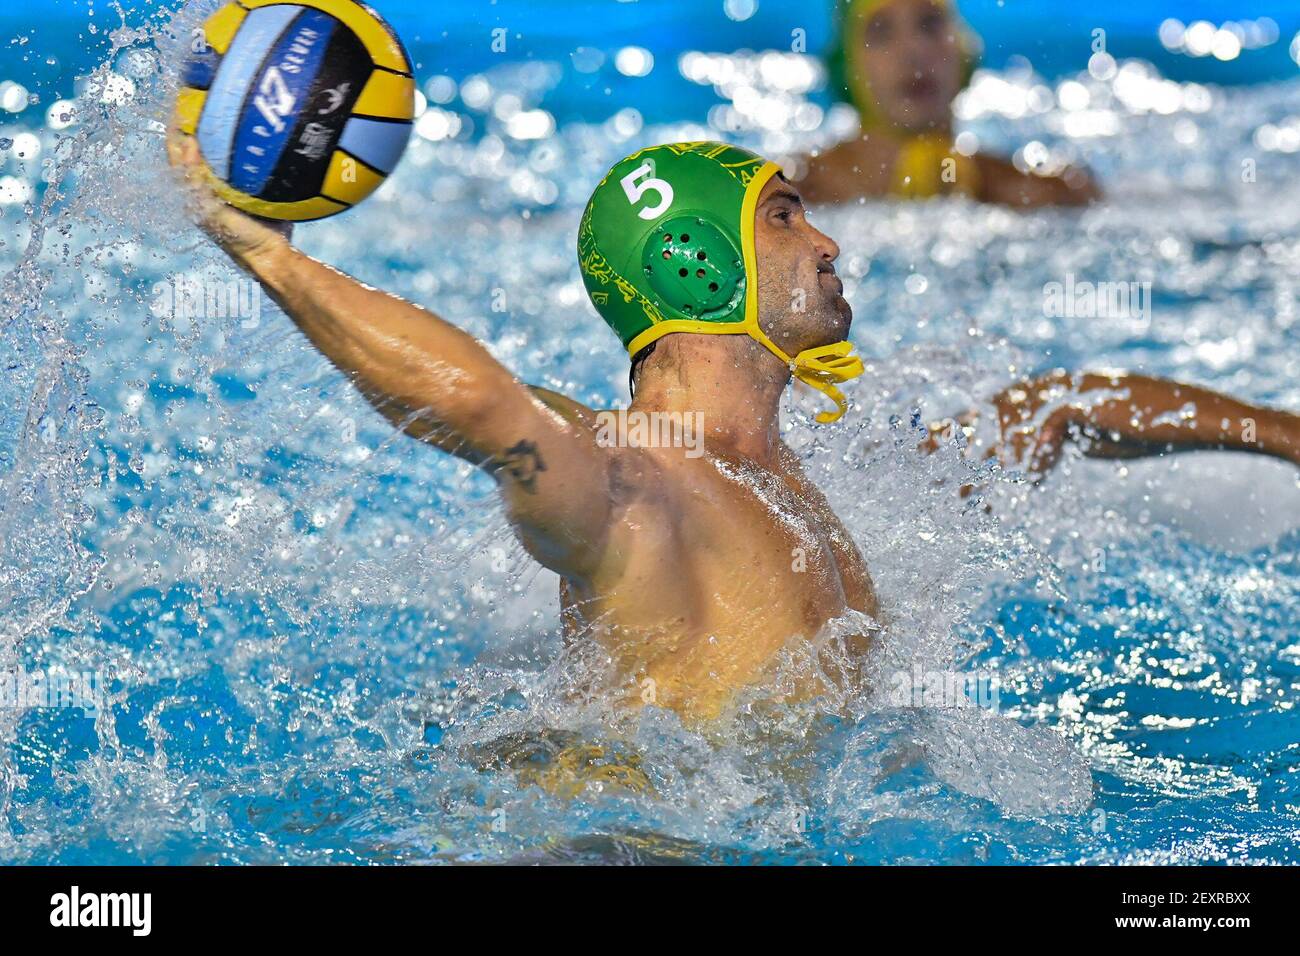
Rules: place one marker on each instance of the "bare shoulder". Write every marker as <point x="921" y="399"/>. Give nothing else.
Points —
<point x="849" y="170"/>
<point x="859" y="590"/>
<point x="792" y="467"/>
<point x="570" y="410"/>
<point x="633" y="473"/>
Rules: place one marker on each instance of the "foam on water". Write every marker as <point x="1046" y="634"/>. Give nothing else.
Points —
<point x="320" y="641"/>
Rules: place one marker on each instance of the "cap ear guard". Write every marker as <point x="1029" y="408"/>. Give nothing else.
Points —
<point x="694" y="268"/>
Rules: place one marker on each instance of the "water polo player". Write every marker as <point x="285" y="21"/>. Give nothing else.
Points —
<point x="901" y="63"/>
<point x="680" y="565"/>
<point x="691" y="571"/>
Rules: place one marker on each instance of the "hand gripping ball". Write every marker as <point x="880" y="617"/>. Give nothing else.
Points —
<point x="302" y="109"/>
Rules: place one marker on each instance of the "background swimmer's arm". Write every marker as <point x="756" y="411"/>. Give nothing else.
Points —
<point x="1119" y="415"/>
<point x="437" y="383"/>
<point x="1001" y="182"/>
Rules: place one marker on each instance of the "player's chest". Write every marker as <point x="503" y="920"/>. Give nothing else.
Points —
<point x="783" y="527"/>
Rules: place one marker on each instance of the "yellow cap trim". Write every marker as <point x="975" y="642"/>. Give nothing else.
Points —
<point x="748" y="223"/>
<point x="668" y="326"/>
<point x="822" y="367"/>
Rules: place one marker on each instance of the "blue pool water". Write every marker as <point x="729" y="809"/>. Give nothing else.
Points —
<point x="311" y="641"/>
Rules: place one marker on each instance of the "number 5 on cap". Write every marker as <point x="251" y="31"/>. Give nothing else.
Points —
<point x="635" y="190"/>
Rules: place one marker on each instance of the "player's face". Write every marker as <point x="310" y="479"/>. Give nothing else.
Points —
<point x="801" y="299"/>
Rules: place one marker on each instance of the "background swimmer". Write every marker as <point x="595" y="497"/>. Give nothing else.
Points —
<point x="901" y="63"/>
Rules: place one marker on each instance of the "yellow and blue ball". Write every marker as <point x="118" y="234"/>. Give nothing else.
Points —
<point x="300" y="109"/>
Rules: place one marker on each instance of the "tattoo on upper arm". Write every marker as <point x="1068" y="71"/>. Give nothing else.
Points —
<point x="523" y="461"/>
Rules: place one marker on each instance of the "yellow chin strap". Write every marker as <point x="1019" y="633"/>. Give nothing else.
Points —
<point x="823" y="367"/>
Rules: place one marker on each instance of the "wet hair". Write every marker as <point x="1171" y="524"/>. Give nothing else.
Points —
<point x="637" y="361"/>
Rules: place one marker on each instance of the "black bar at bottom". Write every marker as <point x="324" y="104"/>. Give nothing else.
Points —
<point x="334" y="904"/>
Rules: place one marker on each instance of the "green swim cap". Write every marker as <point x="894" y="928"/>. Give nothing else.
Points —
<point x="667" y="245"/>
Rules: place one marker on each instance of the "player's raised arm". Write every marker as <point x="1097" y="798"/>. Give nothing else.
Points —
<point x="433" y="380"/>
